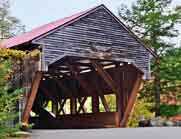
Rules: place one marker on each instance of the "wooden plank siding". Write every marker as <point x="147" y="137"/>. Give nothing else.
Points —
<point x="100" y="29"/>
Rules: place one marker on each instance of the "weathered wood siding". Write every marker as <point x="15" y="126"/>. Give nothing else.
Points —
<point x="23" y="73"/>
<point x="98" y="28"/>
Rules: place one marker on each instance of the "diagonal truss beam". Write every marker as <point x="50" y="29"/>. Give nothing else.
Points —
<point x="106" y="77"/>
<point x="82" y="102"/>
<point x="31" y="99"/>
<point x="104" y="102"/>
<point x="62" y="103"/>
<point x="131" y="99"/>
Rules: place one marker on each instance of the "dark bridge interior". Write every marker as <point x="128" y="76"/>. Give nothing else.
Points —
<point x="85" y="93"/>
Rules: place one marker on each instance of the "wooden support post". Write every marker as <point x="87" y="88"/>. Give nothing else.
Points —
<point x="118" y="78"/>
<point x="55" y="107"/>
<point x="31" y="99"/>
<point x="120" y="100"/>
<point x="95" y="104"/>
<point x="132" y="99"/>
<point x="73" y="105"/>
<point x="119" y="110"/>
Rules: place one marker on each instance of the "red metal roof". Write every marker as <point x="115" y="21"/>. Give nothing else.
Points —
<point x="29" y="36"/>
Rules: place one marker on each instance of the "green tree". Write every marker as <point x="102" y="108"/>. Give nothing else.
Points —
<point x="9" y="25"/>
<point x="154" y="22"/>
<point x="170" y="70"/>
<point x="8" y="98"/>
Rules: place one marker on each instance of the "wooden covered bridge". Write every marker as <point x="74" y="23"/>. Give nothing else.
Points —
<point x="84" y="58"/>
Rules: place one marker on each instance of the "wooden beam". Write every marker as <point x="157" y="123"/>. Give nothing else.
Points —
<point x="131" y="100"/>
<point x="119" y="110"/>
<point x="62" y="103"/>
<point x="55" y="107"/>
<point x="84" y="86"/>
<point x="73" y="105"/>
<point x="76" y="75"/>
<point x="31" y="99"/>
<point x="81" y="102"/>
<point x="95" y="104"/>
<point x="108" y="80"/>
<point x="106" y="106"/>
<point x="46" y="93"/>
<point x="120" y="98"/>
<point x="115" y="87"/>
<point x="64" y="88"/>
<point x="106" y="76"/>
<point x="91" y="91"/>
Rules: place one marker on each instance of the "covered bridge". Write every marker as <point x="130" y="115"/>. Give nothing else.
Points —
<point x="85" y="59"/>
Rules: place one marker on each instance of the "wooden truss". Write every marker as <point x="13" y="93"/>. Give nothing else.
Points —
<point x="123" y="81"/>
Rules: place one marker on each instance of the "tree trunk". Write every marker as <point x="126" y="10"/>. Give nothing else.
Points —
<point x="157" y="87"/>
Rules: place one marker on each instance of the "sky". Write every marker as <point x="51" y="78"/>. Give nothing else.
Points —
<point x="34" y="13"/>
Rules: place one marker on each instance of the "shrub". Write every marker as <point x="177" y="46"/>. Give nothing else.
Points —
<point x="141" y="108"/>
<point x="8" y="100"/>
<point x="170" y="110"/>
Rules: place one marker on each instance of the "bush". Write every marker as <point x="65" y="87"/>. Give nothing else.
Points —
<point x="8" y="99"/>
<point x="170" y="110"/>
<point x="141" y="108"/>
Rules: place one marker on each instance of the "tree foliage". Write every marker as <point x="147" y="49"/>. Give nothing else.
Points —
<point x="168" y="111"/>
<point x="9" y="95"/>
<point x="141" y="108"/>
<point x="154" y="21"/>
<point x="170" y="70"/>
<point x="12" y="53"/>
<point x="9" y="25"/>
<point x="8" y="98"/>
